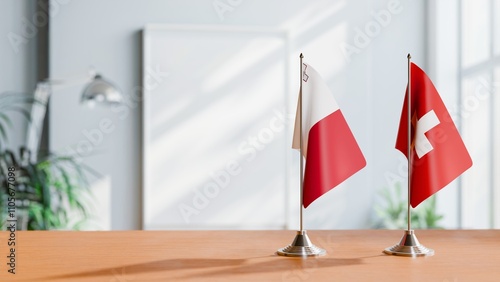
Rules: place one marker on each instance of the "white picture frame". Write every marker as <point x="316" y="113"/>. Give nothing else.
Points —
<point x="208" y="92"/>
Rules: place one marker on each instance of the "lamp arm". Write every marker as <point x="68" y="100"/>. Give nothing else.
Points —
<point x="57" y="84"/>
<point x="35" y="126"/>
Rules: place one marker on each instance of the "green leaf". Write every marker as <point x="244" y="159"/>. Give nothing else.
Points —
<point x="392" y="213"/>
<point x="54" y="186"/>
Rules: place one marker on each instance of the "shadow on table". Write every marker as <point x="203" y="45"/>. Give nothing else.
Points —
<point x="122" y="272"/>
<point x="289" y="267"/>
<point x="224" y="267"/>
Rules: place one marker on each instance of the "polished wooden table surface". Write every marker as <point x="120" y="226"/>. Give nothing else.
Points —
<point x="461" y="255"/>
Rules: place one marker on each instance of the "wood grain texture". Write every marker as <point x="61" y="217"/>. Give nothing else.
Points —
<point x="461" y="255"/>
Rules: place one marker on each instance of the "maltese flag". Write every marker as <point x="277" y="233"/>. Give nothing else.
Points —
<point x="438" y="154"/>
<point x="329" y="148"/>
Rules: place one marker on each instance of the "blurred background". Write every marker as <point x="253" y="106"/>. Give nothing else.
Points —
<point x="201" y="138"/>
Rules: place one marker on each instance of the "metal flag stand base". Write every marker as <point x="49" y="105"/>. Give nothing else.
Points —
<point x="301" y="247"/>
<point x="409" y="247"/>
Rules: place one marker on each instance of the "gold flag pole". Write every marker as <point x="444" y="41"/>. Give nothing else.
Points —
<point x="301" y="245"/>
<point x="409" y="245"/>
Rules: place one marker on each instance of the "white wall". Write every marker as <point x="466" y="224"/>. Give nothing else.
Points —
<point x="368" y="87"/>
<point x="17" y="57"/>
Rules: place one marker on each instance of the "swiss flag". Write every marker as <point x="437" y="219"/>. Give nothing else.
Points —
<point x="329" y="148"/>
<point x="438" y="154"/>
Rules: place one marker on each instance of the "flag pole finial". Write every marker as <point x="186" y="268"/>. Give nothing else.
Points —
<point x="301" y="56"/>
<point x="409" y="56"/>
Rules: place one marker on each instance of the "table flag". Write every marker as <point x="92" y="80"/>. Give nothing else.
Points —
<point x="330" y="150"/>
<point x="438" y="154"/>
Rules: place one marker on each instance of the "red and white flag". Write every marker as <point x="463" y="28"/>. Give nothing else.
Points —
<point x="329" y="148"/>
<point x="438" y="153"/>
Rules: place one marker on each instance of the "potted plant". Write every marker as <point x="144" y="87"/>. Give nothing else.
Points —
<point x="392" y="214"/>
<point x="46" y="194"/>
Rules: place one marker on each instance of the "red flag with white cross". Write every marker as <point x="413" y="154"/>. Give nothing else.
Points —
<point x="438" y="154"/>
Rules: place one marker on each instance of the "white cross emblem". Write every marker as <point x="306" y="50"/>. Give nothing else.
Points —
<point x="423" y="125"/>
